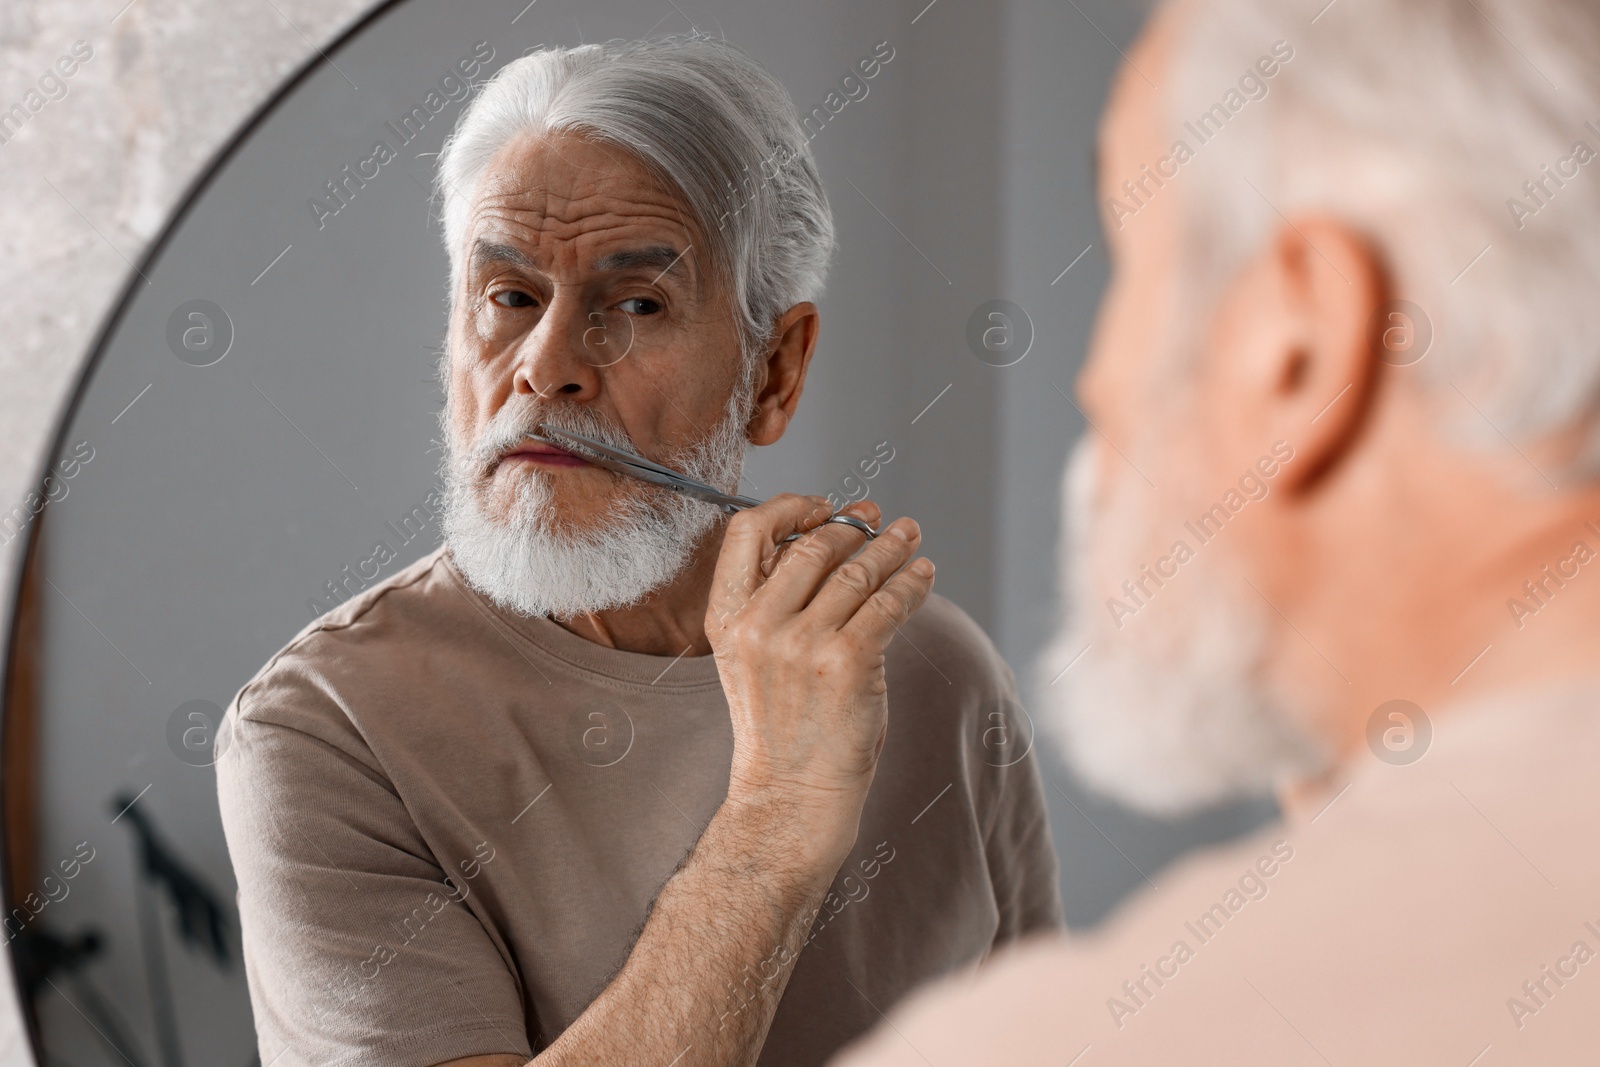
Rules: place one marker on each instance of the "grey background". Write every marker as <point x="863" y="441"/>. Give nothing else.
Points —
<point x="225" y="497"/>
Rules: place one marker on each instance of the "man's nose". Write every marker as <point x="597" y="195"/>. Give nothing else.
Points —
<point x="550" y="360"/>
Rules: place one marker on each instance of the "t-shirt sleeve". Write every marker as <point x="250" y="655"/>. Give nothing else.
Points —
<point x="1020" y="853"/>
<point x="357" y="949"/>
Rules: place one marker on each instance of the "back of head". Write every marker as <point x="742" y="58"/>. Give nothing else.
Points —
<point x="1460" y="135"/>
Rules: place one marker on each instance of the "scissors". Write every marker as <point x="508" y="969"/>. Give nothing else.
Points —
<point x="624" y="462"/>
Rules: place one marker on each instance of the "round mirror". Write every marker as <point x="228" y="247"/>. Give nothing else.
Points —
<point x="255" y="438"/>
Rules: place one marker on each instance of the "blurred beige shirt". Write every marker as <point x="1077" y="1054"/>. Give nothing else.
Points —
<point x="1443" y="912"/>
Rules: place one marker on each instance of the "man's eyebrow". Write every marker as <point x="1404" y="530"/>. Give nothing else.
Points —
<point x="486" y="252"/>
<point x="662" y="258"/>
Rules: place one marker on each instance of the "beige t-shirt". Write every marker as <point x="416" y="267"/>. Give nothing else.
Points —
<point x="448" y="822"/>
<point x="1395" y="923"/>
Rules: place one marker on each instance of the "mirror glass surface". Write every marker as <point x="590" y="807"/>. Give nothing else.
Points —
<point x="257" y="435"/>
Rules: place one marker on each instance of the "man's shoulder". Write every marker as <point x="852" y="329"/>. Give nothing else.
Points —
<point x="392" y="596"/>
<point x="947" y="681"/>
<point x="370" y="629"/>
<point x="1386" y="830"/>
<point x="1442" y="870"/>
<point x="942" y="643"/>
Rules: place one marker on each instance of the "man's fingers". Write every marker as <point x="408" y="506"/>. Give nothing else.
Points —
<point x="854" y="582"/>
<point x="749" y="547"/>
<point x="805" y="565"/>
<point x="888" y="609"/>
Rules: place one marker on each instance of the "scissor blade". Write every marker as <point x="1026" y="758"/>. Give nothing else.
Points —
<point x="628" y="469"/>
<point x="603" y="449"/>
<point x="624" y="462"/>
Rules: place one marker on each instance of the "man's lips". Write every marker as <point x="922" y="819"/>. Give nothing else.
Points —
<point x="544" y="455"/>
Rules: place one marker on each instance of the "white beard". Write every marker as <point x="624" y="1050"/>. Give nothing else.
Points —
<point x="526" y="563"/>
<point x="1172" y="710"/>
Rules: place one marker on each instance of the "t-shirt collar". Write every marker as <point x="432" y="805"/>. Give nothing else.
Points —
<point x="683" y="672"/>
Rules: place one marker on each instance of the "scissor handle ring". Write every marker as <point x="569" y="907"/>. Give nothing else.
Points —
<point x="847" y="520"/>
<point x="860" y="524"/>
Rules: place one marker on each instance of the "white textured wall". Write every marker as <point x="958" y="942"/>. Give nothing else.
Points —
<point x="91" y="177"/>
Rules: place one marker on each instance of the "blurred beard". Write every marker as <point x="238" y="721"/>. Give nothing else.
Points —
<point x="1171" y="710"/>
<point x="527" y="562"/>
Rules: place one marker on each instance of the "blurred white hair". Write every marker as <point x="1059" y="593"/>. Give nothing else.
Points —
<point x="706" y="118"/>
<point x="1417" y="120"/>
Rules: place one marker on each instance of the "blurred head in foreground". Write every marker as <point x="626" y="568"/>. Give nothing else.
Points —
<point x="1343" y="387"/>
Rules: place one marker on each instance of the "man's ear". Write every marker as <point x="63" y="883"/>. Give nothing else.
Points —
<point x="783" y="374"/>
<point x="1325" y="284"/>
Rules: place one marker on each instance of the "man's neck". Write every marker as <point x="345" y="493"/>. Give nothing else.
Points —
<point x="669" y="622"/>
<point x="1450" y="630"/>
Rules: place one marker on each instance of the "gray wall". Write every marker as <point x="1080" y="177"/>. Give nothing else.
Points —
<point x="224" y="498"/>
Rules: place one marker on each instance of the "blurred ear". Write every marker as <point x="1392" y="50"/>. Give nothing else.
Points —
<point x="783" y="377"/>
<point x="1299" y="328"/>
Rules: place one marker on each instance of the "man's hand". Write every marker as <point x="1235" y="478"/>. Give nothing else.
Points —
<point x="799" y="633"/>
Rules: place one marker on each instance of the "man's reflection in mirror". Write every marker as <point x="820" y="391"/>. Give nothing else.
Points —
<point x="610" y="774"/>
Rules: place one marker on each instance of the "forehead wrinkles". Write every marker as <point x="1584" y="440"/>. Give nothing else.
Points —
<point x="560" y="208"/>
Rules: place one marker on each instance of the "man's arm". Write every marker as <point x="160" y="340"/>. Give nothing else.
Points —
<point x="1023" y="868"/>
<point x="703" y="981"/>
<point x="799" y="636"/>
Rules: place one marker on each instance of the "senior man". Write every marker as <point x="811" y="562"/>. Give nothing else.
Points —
<point x="1363" y="569"/>
<point x="575" y="786"/>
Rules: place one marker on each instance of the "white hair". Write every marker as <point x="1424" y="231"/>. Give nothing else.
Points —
<point x="722" y="132"/>
<point x="1418" y="121"/>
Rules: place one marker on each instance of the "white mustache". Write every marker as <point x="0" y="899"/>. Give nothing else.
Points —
<point x="511" y="426"/>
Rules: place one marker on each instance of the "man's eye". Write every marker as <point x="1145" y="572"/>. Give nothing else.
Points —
<point x="640" y="305"/>
<point x="513" y="298"/>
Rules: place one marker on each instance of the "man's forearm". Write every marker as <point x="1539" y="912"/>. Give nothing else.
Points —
<point x="704" y="979"/>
